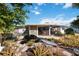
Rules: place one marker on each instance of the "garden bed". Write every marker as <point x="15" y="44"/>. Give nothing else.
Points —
<point x="67" y="40"/>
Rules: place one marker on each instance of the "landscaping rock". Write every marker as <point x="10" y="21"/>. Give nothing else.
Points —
<point x="20" y="37"/>
<point x="76" y="51"/>
<point x="1" y="48"/>
<point x="61" y="52"/>
<point x="30" y="52"/>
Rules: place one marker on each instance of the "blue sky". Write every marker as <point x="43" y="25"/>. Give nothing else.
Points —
<point x="57" y="13"/>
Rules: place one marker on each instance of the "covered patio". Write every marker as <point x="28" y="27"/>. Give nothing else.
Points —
<point x="44" y="29"/>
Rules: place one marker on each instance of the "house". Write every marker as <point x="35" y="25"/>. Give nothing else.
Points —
<point x="44" y="29"/>
<point x="40" y="30"/>
<point x="19" y="30"/>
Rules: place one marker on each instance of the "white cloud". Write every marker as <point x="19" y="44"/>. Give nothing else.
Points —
<point x="67" y="5"/>
<point x="58" y="20"/>
<point x="36" y="12"/>
<point x="36" y="7"/>
<point x="58" y="3"/>
<point x="40" y="4"/>
<point x="45" y="20"/>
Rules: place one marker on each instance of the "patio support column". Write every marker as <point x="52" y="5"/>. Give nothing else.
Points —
<point x="49" y="30"/>
<point x="37" y="30"/>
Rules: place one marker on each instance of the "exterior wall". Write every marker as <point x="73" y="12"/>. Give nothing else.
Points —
<point x="19" y="31"/>
<point x="33" y="30"/>
<point x="62" y="31"/>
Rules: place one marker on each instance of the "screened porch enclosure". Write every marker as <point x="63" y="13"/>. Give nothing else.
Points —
<point x="43" y="30"/>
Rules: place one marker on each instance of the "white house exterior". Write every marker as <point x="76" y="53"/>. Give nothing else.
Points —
<point x="44" y="29"/>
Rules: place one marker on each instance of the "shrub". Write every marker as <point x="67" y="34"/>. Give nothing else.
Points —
<point x="33" y="37"/>
<point x="70" y="40"/>
<point x="9" y="50"/>
<point x="42" y="50"/>
<point x="28" y="38"/>
<point x="58" y="33"/>
<point x="8" y="43"/>
<point x="69" y="31"/>
<point x="8" y="36"/>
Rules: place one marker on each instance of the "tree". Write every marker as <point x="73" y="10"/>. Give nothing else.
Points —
<point x="75" y="5"/>
<point x="75" y="23"/>
<point x="11" y="15"/>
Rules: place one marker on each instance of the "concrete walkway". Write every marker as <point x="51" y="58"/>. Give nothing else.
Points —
<point x="52" y="36"/>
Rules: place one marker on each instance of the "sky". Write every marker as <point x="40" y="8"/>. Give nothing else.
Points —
<point x="53" y="13"/>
